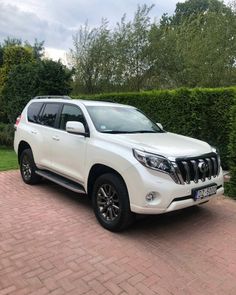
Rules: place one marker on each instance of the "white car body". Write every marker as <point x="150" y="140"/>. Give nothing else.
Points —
<point x="73" y="156"/>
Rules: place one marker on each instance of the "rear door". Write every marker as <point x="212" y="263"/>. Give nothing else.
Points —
<point x="69" y="150"/>
<point x="30" y="129"/>
<point x="47" y="122"/>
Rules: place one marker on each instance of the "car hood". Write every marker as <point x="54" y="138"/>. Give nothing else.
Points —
<point x="166" y="144"/>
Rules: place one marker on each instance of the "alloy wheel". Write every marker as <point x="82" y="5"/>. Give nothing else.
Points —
<point x="108" y="202"/>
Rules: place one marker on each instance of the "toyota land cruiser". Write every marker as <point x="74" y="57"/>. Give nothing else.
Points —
<point x="116" y="155"/>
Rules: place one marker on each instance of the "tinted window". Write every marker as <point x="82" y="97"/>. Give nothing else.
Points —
<point x="71" y="113"/>
<point x="49" y="115"/>
<point x="33" y="111"/>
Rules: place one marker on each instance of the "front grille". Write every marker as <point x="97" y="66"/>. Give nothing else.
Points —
<point x="197" y="168"/>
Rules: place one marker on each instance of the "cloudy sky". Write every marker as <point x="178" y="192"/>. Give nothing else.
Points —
<point x="55" y="21"/>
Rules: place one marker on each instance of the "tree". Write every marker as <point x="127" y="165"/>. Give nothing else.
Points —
<point x="53" y="78"/>
<point x="107" y="60"/>
<point x="199" y="49"/>
<point x="192" y="8"/>
<point x="16" y="54"/>
<point x="131" y="54"/>
<point x="27" y="80"/>
<point x="91" y="57"/>
<point x="37" y="48"/>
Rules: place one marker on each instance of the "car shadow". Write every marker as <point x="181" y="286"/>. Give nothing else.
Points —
<point x="185" y="221"/>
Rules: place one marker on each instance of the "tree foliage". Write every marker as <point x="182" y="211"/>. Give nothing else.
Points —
<point x="27" y="80"/>
<point x="232" y="153"/>
<point x="118" y="59"/>
<point x="195" y="47"/>
<point x="25" y="74"/>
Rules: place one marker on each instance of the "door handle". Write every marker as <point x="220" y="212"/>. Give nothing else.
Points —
<point x="34" y="132"/>
<point x="56" y="138"/>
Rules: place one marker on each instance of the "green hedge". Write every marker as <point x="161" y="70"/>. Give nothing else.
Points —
<point x="6" y="134"/>
<point x="200" y="113"/>
<point x="232" y="154"/>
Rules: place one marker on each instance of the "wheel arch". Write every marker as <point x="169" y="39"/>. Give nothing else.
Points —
<point x="98" y="170"/>
<point x="23" y="145"/>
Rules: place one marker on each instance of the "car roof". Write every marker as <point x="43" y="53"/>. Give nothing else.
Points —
<point x="80" y="101"/>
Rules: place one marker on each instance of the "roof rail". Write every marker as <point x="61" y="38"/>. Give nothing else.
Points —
<point x="52" y="96"/>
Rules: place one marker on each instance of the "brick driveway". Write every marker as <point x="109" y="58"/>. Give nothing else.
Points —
<point x="50" y="243"/>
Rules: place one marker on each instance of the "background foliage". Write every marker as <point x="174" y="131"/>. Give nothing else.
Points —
<point x="232" y="153"/>
<point x="195" y="47"/>
<point x="24" y="74"/>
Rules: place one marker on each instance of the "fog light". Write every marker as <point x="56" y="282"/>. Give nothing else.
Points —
<point x="150" y="196"/>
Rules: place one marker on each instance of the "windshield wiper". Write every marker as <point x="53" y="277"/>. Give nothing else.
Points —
<point x="143" y="131"/>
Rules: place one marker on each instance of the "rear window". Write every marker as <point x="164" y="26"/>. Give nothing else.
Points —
<point x="49" y="114"/>
<point x="33" y="111"/>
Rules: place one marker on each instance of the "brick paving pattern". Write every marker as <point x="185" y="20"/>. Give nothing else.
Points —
<point x="51" y="243"/>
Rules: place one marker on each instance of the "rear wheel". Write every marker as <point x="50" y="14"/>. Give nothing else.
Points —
<point x="28" y="167"/>
<point x="111" y="202"/>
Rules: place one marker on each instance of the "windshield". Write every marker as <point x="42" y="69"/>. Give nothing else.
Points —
<point x="112" y="119"/>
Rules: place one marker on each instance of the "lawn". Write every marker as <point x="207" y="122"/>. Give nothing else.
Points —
<point x="8" y="159"/>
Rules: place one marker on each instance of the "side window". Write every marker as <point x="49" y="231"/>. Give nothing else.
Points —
<point x="49" y="114"/>
<point x="70" y="113"/>
<point x="33" y="111"/>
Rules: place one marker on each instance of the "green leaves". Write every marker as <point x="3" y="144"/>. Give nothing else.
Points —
<point x="106" y="60"/>
<point x="196" y="47"/>
<point x="232" y="153"/>
<point x="27" y="80"/>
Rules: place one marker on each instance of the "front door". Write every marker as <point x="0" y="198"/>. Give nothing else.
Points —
<point x="69" y="150"/>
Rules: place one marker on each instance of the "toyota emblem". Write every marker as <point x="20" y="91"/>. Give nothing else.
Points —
<point x="203" y="167"/>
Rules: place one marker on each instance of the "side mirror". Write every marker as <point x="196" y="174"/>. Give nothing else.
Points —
<point x="160" y="126"/>
<point x="75" y="127"/>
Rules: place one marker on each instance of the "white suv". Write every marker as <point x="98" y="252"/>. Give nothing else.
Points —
<point x="116" y="155"/>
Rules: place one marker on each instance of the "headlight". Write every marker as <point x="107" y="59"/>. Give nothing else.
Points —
<point x="153" y="161"/>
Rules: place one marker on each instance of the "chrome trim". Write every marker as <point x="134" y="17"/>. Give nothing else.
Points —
<point x="177" y="173"/>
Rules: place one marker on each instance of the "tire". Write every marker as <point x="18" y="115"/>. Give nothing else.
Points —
<point x="111" y="202"/>
<point x="28" y="168"/>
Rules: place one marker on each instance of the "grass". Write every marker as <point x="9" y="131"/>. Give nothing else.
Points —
<point x="8" y="159"/>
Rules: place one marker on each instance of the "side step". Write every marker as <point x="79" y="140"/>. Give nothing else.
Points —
<point x="69" y="184"/>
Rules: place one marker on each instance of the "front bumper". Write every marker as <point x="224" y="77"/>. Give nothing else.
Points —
<point x="170" y="196"/>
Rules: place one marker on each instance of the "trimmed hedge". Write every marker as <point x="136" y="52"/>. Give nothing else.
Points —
<point x="200" y="113"/>
<point x="232" y="154"/>
<point x="6" y="134"/>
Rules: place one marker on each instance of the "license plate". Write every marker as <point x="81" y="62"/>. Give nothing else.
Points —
<point x="204" y="192"/>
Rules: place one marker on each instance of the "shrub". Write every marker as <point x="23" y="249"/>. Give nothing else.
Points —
<point x="200" y="113"/>
<point x="6" y="134"/>
<point x="232" y="154"/>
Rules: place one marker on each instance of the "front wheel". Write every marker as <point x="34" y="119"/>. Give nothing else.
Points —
<point x="28" y="167"/>
<point x="111" y="202"/>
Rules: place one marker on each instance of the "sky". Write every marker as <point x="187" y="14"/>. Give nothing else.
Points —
<point x="56" y="21"/>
